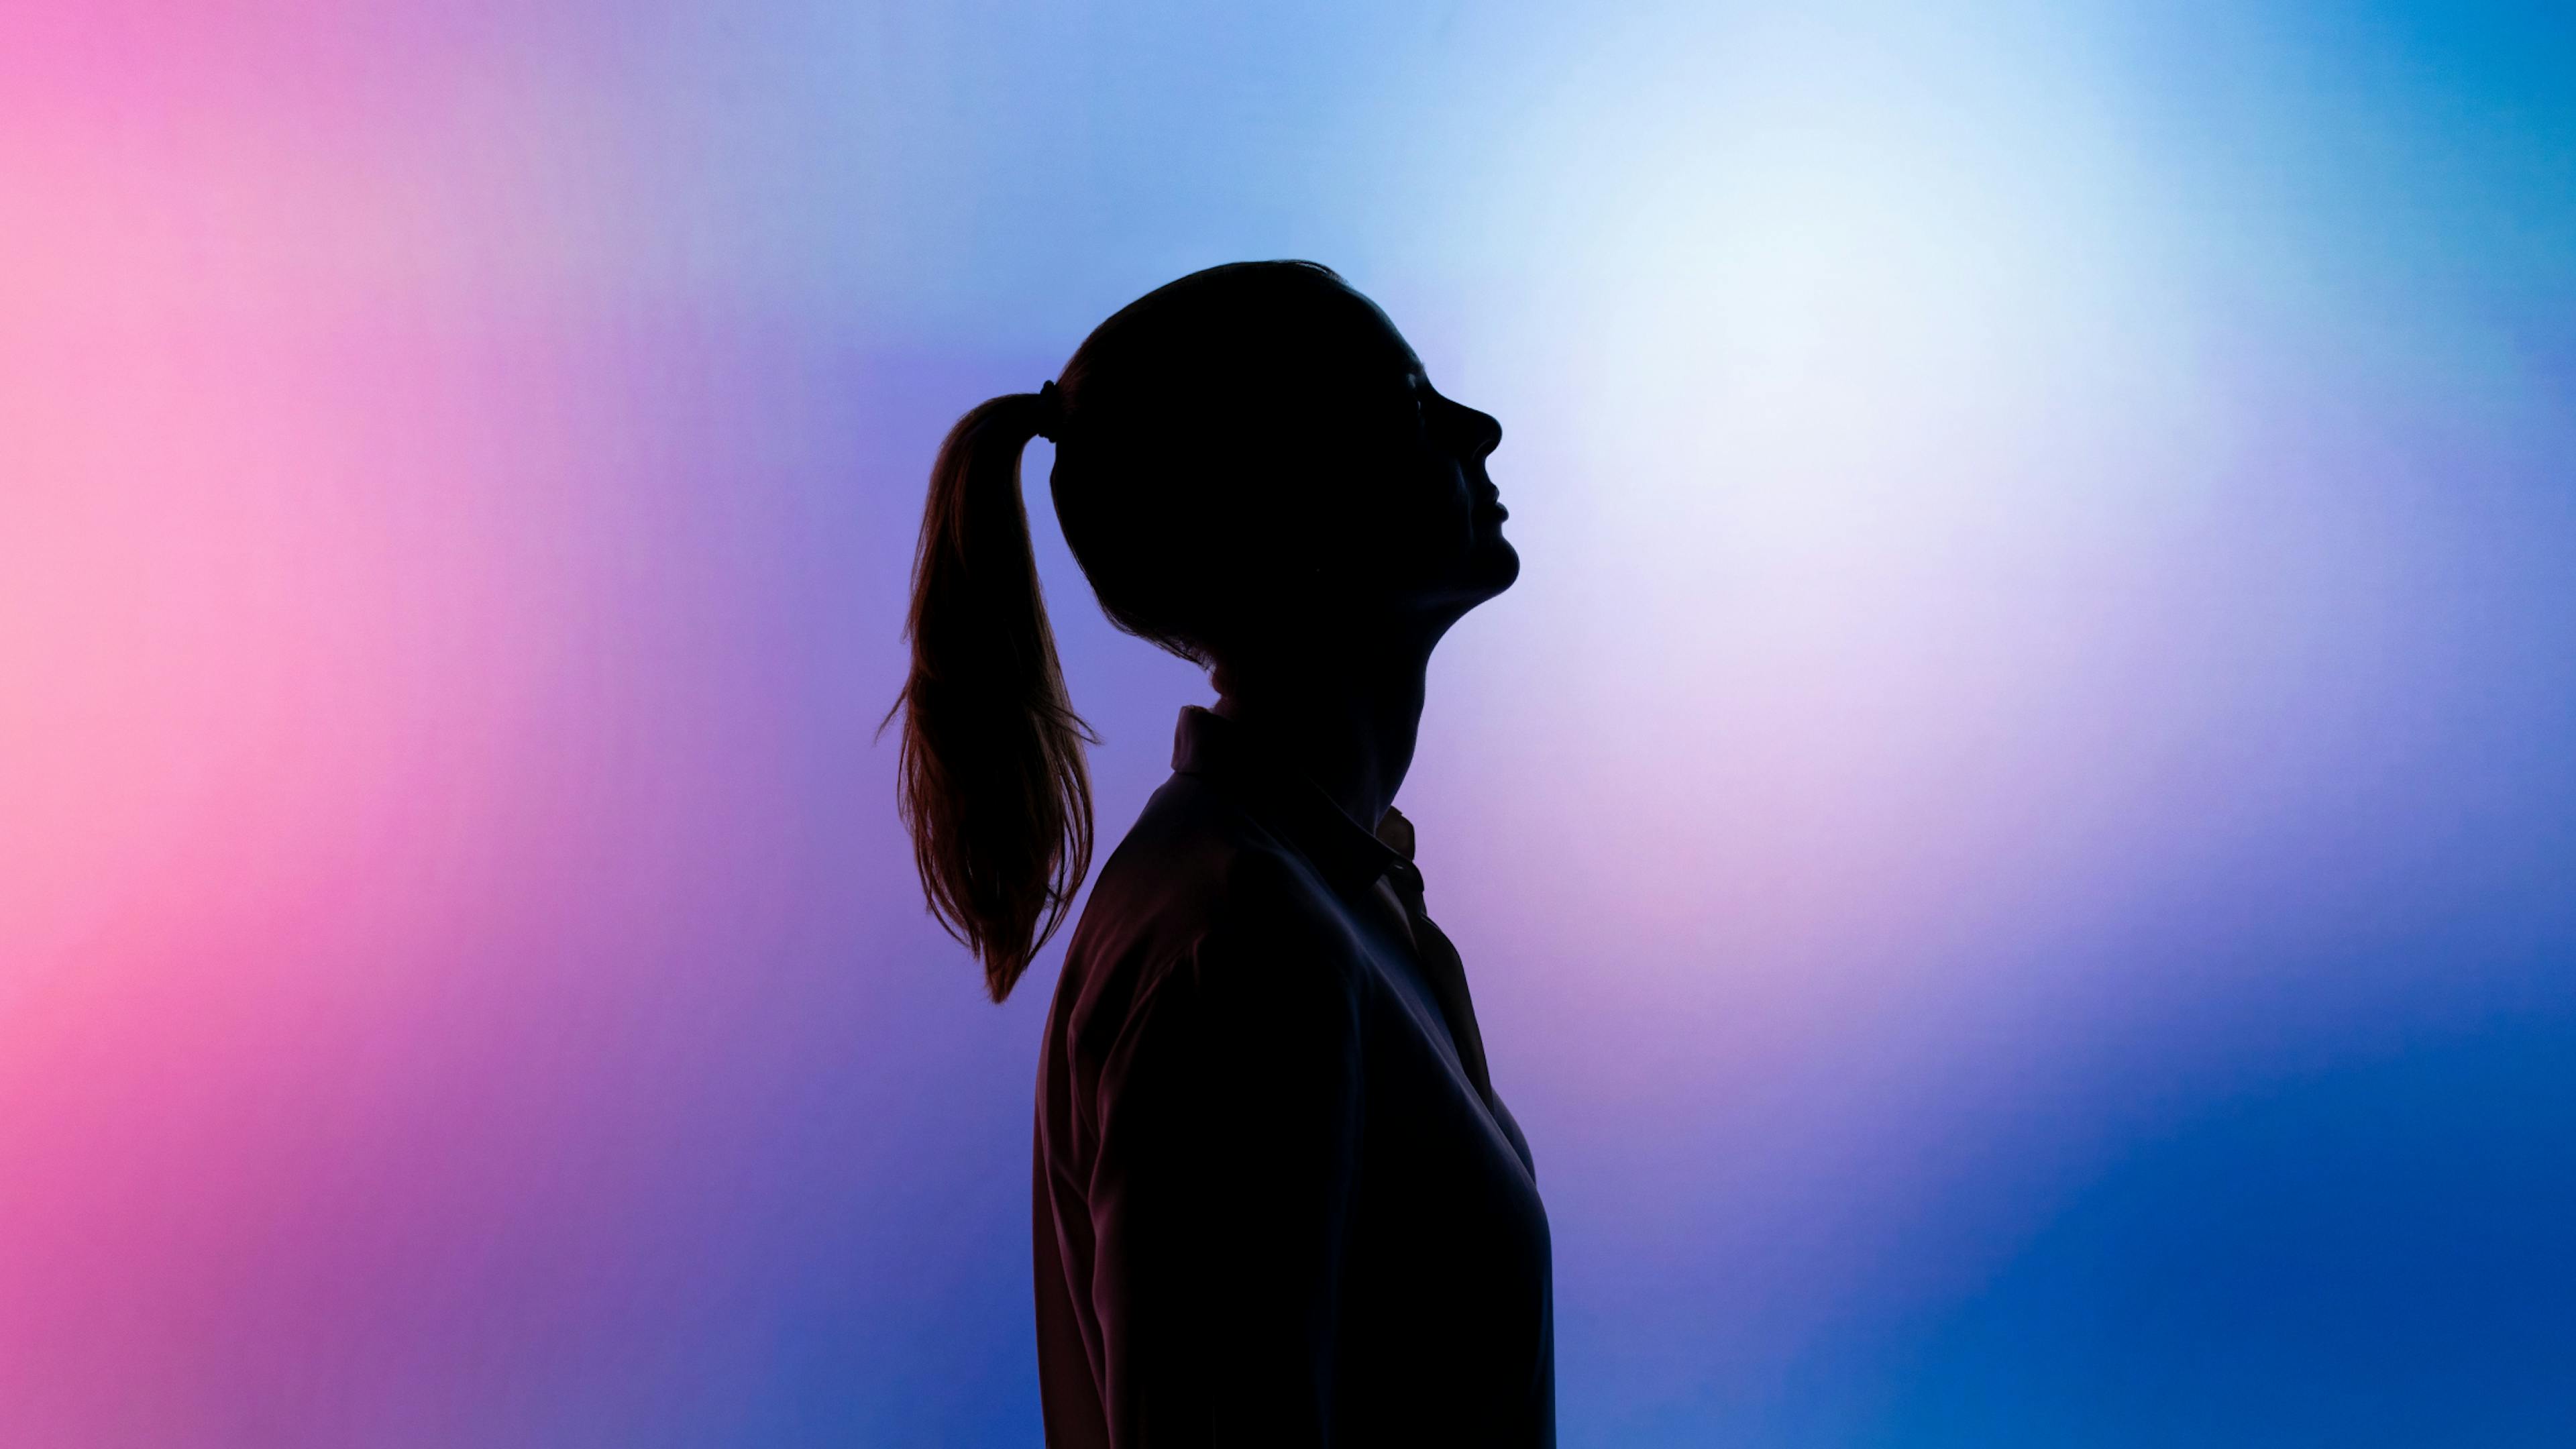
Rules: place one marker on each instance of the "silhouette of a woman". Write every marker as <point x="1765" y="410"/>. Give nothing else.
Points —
<point x="1277" y="1200"/>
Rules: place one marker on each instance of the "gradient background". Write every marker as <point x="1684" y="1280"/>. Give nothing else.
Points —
<point x="2017" y="838"/>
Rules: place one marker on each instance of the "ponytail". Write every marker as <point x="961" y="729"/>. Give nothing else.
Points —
<point x="991" y="779"/>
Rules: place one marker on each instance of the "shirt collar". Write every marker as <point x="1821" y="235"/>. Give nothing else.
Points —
<point x="1235" y="756"/>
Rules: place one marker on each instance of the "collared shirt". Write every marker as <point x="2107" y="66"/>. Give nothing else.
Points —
<point x="1277" y="1201"/>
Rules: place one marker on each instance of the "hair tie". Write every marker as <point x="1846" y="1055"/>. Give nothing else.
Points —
<point x="1050" y="411"/>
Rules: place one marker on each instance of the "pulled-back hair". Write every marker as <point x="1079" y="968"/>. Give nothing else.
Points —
<point x="1170" y="420"/>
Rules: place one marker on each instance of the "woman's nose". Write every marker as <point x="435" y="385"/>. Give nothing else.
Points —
<point x="1478" y="433"/>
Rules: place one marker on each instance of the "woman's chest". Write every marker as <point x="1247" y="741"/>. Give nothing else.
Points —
<point x="1438" y="1175"/>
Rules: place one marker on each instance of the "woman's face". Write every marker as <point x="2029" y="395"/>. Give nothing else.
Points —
<point x="1428" y="533"/>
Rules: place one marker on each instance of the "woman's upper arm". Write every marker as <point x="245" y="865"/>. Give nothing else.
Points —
<point x="1228" y="1113"/>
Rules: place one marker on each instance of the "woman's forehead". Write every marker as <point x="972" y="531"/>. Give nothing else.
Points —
<point x="1380" y="335"/>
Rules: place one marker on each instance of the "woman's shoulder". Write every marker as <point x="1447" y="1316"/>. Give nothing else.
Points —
<point x="1195" y="884"/>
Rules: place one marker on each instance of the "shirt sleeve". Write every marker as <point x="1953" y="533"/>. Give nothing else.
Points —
<point x="1227" y="1115"/>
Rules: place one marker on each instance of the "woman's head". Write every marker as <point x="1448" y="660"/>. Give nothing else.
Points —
<point x="1250" y="468"/>
<point x="1251" y="459"/>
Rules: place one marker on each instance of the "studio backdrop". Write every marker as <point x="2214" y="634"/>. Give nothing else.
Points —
<point x="2016" y="840"/>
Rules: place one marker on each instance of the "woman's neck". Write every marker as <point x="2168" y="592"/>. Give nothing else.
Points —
<point x="1349" y="727"/>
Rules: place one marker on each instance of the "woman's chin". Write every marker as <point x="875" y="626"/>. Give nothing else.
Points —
<point x="1495" y="565"/>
